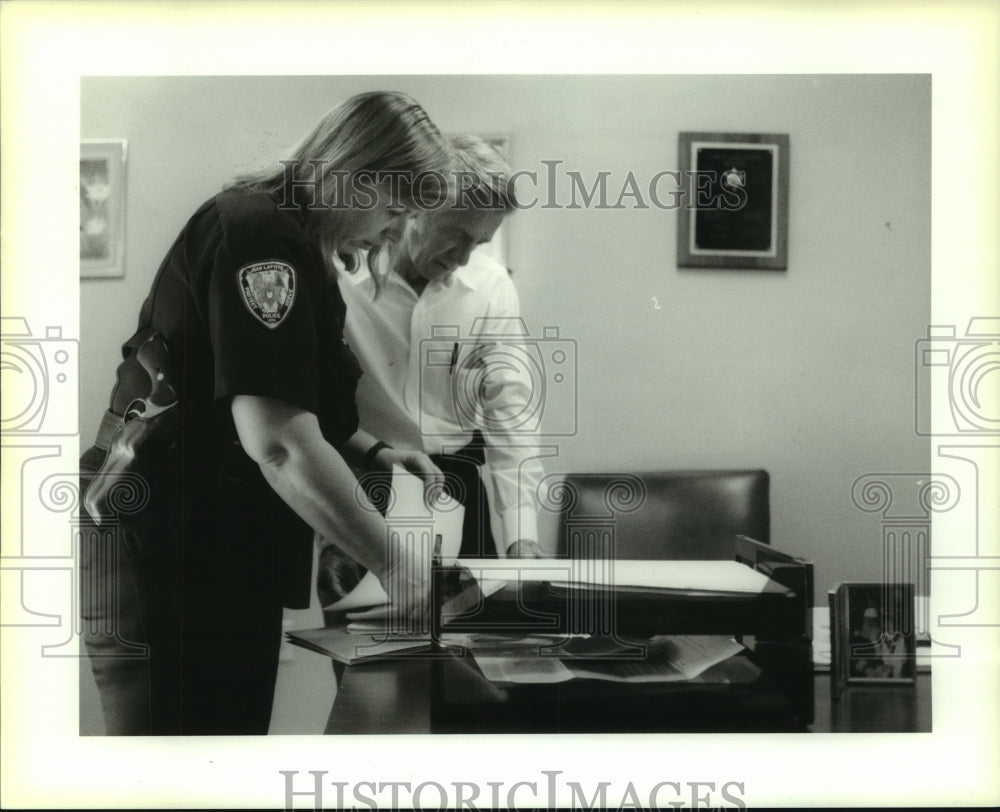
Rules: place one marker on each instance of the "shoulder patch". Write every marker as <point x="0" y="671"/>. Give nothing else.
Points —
<point x="268" y="290"/>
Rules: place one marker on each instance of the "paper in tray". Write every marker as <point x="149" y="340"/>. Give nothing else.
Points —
<point x="709" y="577"/>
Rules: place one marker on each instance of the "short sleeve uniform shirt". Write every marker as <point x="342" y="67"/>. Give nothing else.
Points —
<point x="244" y="303"/>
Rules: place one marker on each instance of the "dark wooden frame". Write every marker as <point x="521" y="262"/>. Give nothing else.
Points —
<point x="894" y="611"/>
<point x="733" y="221"/>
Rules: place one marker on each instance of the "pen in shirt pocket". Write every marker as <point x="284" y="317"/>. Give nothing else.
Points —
<point x="454" y="358"/>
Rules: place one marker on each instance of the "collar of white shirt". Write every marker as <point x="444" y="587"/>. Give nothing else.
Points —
<point x="467" y="275"/>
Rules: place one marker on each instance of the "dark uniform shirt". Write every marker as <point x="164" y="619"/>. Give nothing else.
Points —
<point x="244" y="303"/>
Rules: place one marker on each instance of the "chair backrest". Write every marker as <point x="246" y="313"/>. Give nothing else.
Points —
<point x="661" y="514"/>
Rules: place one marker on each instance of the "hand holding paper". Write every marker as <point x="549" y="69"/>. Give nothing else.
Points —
<point x="407" y="584"/>
<point x="402" y="592"/>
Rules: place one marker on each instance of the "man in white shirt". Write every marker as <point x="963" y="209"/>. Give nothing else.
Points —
<point x="432" y="380"/>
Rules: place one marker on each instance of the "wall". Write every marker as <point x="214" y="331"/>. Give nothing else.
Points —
<point x="807" y="373"/>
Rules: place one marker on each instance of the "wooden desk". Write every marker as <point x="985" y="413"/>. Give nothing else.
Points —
<point x="397" y="697"/>
<point x="873" y="708"/>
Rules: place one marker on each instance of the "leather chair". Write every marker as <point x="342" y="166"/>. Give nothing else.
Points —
<point x="660" y="514"/>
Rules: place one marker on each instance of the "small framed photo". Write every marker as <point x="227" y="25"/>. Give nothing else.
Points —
<point x="736" y="211"/>
<point x="102" y="208"/>
<point x="872" y="634"/>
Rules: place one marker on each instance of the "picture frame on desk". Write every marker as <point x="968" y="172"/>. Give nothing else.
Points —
<point x="735" y="214"/>
<point x="872" y="635"/>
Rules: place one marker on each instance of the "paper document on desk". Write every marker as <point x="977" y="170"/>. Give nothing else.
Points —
<point x="442" y="518"/>
<point x="529" y="670"/>
<point x="338" y="643"/>
<point x="456" y="604"/>
<point x="687" y="576"/>
<point x="674" y="658"/>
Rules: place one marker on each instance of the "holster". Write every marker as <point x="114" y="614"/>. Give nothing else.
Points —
<point x="138" y="485"/>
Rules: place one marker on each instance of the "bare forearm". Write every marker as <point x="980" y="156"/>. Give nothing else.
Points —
<point x="318" y="485"/>
<point x="310" y="476"/>
<point x="354" y="448"/>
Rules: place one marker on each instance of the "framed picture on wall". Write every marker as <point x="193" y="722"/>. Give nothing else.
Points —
<point x="102" y="208"/>
<point x="736" y="212"/>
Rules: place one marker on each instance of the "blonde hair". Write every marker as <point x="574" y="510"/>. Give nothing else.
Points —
<point x="384" y="133"/>
<point x="479" y="171"/>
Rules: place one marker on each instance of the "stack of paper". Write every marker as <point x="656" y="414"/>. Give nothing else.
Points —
<point x="674" y="658"/>
<point x="685" y="576"/>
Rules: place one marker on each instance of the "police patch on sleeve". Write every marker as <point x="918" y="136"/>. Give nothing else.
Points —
<point x="268" y="290"/>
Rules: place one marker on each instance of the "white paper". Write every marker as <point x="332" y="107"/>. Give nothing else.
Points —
<point x="692" y="654"/>
<point x="523" y="669"/>
<point x="709" y="576"/>
<point x="349" y="648"/>
<point x="408" y="509"/>
<point x="674" y="658"/>
<point x="366" y="594"/>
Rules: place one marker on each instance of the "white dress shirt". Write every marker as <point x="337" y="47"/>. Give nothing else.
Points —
<point x="421" y="388"/>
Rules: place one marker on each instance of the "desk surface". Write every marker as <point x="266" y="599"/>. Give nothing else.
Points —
<point x="397" y="697"/>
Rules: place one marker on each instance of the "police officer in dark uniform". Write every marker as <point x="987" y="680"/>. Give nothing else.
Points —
<point x="243" y="428"/>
